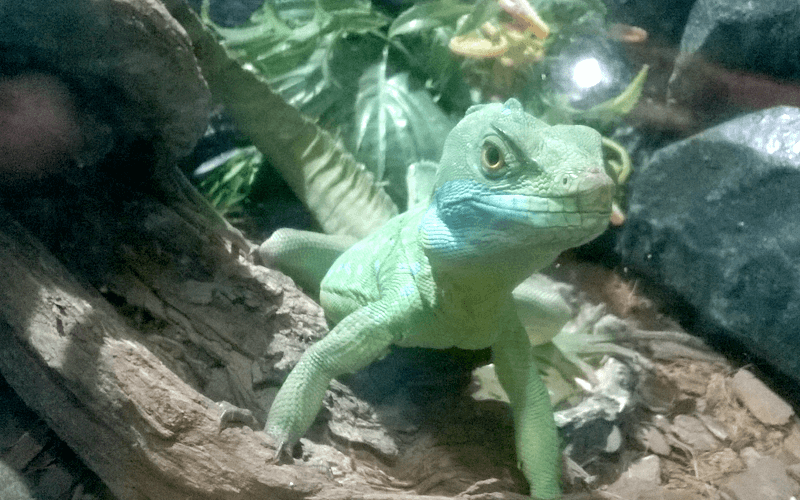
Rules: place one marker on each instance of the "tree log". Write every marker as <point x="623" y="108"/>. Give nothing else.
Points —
<point x="147" y="434"/>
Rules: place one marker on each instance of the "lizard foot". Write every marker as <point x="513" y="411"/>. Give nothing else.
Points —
<point x="284" y="451"/>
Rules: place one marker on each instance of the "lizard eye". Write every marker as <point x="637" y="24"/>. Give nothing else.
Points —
<point x="492" y="157"/>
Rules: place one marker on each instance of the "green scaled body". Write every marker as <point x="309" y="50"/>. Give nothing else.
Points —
<point x="510" y="194"/>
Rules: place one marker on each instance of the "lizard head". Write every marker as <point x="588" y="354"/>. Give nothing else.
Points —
<point x="508" y="182"/>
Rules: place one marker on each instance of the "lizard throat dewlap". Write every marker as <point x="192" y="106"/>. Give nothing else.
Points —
<point x="450" y="228"/>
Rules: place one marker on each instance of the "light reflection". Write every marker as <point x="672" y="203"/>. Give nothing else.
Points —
<point x="587" y="73"/>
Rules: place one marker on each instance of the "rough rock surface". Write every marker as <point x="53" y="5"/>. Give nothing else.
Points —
<point x="766" y="479"/>
<point x="716" y="219"/>
<point x="761" y="37"/>
<point x="737" y="56"/>
<point x="764" y="404"/>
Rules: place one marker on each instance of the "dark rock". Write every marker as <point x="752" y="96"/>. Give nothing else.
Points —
<point x="738" y="56"/>
<point x="762" y="37"/>
<point x="716" y="218"/>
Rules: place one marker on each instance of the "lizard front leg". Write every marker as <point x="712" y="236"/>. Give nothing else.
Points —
<point x="359" y="339"/>
<point x="534" y="427"/>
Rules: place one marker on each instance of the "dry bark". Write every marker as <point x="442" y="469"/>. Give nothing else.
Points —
<point x="74" y="359"/>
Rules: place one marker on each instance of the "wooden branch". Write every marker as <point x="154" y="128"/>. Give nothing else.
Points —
<point x="145" y="432"/>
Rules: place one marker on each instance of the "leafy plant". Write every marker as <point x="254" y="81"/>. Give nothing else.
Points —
<point x="282" y="36"/>
<point x="395" y="124"/>
<point x="341" y="195"/>
<point x="227" y="178"/>
<point x="387" y="86"/>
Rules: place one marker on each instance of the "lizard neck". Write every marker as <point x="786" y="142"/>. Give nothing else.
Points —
<point x="483" y="260"/>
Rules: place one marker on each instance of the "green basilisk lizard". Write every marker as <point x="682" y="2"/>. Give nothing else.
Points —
<point x="510" y="194"/>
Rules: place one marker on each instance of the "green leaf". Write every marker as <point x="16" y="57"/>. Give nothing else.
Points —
<point x="264" y="23"/>
<point x="625" y="102"/>
<point x="282" y="36"/>
<point x="337" y="5"/>
<point x="325" y="88"/>
<point x="357" y="21"/>
<point x="482" y="11"/>
<point x="556" y="108"/>
<point x="229" y="177"/>
<point x="426" y="16"/>
<point x="307" y="86"/>
<point x="611" y="110"/>
<point x="340" y="193"/>
<point x="295" y="12"/>
<point x="396" y="123"/>
<point x="269" y="45"/>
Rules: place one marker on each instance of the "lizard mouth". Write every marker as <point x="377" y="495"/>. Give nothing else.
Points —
<point x="587" y="210"/>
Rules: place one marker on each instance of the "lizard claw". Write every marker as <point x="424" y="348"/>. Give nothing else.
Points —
<point x="283" y="452"/>
<point x="283" y="446"/>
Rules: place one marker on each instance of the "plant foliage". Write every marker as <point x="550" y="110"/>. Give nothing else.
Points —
<point x="388" y="86"/>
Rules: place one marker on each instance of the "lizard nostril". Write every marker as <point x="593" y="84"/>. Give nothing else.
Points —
<point x="565" y="180"/>
<point x="595" y="171"/>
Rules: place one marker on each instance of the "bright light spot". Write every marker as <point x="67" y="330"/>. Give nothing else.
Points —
<point x="587" y="73"/>
<point x="583" y="384"/>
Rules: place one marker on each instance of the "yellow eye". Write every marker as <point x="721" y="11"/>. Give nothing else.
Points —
<point x="492" y="158"/>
